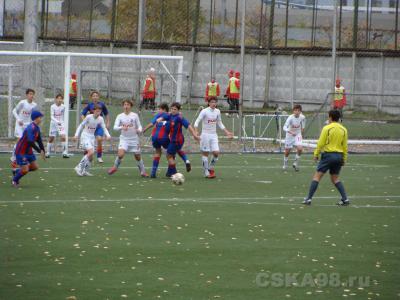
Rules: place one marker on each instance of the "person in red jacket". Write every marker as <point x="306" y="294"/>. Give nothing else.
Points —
<point x="149" y="91"/>
<point x="234" y="92"/>
<point x="212" y="90"/>
<point x="231" y="73"/>
<point x="339" y="99"/>
<point x="72" y="91"/>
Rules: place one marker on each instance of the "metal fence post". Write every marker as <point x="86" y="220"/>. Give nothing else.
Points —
<point x="353" y="78"/>
<point x="267" y="79"/>
<point x="382" y="83"/>
<point x="293" y="81"/>
<point x="10" y="101"/>
<point x="242" y="53"/>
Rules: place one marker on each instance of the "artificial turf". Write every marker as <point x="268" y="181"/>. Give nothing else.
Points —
<point x="124" y="237"/>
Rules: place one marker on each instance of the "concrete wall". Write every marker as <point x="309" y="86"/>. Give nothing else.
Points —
<point x="293" y="78"/>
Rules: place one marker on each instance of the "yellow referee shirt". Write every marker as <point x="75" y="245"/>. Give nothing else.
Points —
<point x="333" y="138"/>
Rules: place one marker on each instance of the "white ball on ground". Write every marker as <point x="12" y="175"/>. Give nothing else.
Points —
<point x="178" y="178"/>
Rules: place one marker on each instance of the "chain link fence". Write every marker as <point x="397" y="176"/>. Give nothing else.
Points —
<point x="269" y="23"/>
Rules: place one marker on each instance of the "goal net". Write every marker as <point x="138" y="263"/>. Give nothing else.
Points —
<point x="115" y="76"/>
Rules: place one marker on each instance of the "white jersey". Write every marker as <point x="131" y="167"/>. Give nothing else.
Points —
<point x="294" y="125"/>
<point x="22" y="112"/>
<point x="131" y="122"/>
<point x="210" y="118"/>
<point x="57" y="113"/>
<point x="89" y="125"/>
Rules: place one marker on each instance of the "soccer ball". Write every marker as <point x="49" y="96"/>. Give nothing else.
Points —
<point x="178" y="178"/>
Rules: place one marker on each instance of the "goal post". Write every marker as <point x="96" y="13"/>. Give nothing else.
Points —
<point x="55" y="68"/>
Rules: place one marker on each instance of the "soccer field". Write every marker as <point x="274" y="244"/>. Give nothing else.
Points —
<point x="244" y="235"/>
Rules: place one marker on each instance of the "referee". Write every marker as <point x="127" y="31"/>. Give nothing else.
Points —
<point x="333" y="145"/>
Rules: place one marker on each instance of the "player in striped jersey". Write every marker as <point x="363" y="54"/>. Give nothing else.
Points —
<point x="23" y="150"/>
<point x="177" y="121"/>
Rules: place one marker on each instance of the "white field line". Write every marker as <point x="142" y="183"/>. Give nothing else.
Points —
<point x="217" y="200"/>
<point x="313" y="166"/>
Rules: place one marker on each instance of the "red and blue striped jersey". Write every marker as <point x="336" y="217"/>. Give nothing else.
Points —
<point x="90" y="108"/>
<point x="30" y="135"/>
<point x="161" y="129"/>
<point x="175" y="133"/>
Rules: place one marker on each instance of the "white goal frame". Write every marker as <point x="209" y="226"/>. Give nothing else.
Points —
<point x="67" y="70"/>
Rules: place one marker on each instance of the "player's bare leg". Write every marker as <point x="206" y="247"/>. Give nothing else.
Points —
<point x="212" y="164"/>
<point x="117" y="162"/>
<point x="297" y="158"/>
<point x="140" y="165"/>
<point x="206" y="167"/>
<point x="99" y="149"/>
<point x="286" y="159"/>
<point x="156" y="161"/>
<point x="50" y="145"/>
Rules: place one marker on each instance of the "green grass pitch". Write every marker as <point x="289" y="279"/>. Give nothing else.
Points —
<point x="124" y="237"/>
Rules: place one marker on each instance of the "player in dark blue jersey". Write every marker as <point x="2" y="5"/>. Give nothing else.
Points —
<point x="23" y="150"/>
<point x="99" y="134"/>
<point x="159" y="135"/>
<point x="176" y="138"/>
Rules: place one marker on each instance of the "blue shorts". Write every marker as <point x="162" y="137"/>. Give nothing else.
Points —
<point x="157" y="144"/>
<point x="331" y="161"/>
<point x="173" y="148"/>
<point x="23" y="160"/>
<point x="99" y="131"/>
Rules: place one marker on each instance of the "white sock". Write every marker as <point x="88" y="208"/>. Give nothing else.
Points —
<point x="49" y="145"/>
<point x="117" y="162"/>
<point x="64" y="147"/>
<point x="205" y="165"/>
<point x="87" y="166"/>
<point x="13" y="158"/>
<point x="297" y="157"/>
<point x="285" y="160"/>
<point x="83" y="162"/>
<point x="140" y="165"/>
<point x="213" y="162"/>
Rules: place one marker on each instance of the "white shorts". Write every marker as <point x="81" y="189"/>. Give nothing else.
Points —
<point x="129" y="145"/>
<point x="209" y="142"/>
<point x="291" y="141"/>
<point x="87" y="143"/>
<point x="56" y="129"/>
<point x="19" y="130"/>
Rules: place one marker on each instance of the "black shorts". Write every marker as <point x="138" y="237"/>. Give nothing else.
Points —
<point x="331" y="161"/>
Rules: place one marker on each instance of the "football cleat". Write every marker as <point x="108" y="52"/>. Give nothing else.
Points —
<point x="188" y="166"/>
<point x="65" y="155"/>
<point x="344" y="202"/>
<point x="112" y="170"/>
<point x="78" y="171"/>
<point x="307" y="201"/>
<point x="144" y="175"/>
<point x="100" y="160"/>
<point x="86" y="173"/>
<point x="295" y="167"/>
<point x="15" y="183"/>
<point x="211" y="175"/>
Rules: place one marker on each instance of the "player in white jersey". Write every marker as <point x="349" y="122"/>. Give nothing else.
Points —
<point x="22" y="113"/>
<point x="129" y="124"/>
<point x="294" y="128"/>
<point x="210" y="117"/>
<point x="57" y="125"/>
<point x="88" y="128"/>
